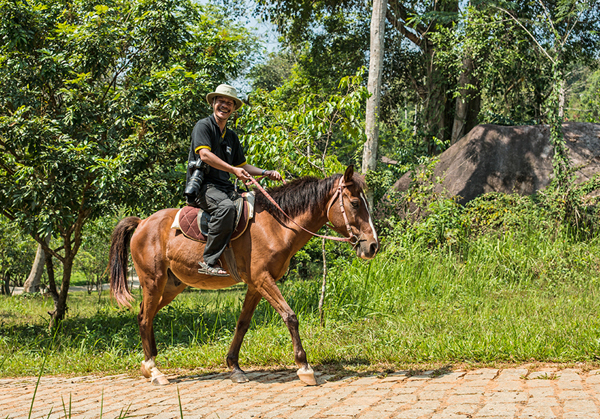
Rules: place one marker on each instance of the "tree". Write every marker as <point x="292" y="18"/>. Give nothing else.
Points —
<point x="415" y="22"/>
<point x="16" y="253"/>
<point x="584" y="97"/>
<point x="369" y="161"/>
<point x="274" y="72"/>
<point x="563" y="30"/>
<point x="96" y="103"/>
<point x="312" y="136"/>
<point x="330" y="39"/>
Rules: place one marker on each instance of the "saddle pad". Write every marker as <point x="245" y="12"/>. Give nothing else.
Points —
<point x="193" y="222"/>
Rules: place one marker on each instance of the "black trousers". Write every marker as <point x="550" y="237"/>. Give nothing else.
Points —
<point x="222" y="212"/>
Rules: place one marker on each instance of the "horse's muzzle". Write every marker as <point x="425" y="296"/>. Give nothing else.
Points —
<point x="367" y="249"/>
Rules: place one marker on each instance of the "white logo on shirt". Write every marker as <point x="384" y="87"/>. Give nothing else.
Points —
<point x="228" y="150"/>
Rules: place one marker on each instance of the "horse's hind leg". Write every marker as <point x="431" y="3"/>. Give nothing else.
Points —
<point x="148" y="309"/>
<point x="153" y="300"/>
<point x="252" y="299"/>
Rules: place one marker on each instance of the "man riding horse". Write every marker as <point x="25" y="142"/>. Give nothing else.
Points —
<point x="215" y="152"/>
<point x="166" y="261"/>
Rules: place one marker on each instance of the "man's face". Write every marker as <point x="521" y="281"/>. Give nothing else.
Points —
<point x="223" y="107"/>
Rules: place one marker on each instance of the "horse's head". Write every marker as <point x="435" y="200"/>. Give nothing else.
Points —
<point x="348" y="212"/>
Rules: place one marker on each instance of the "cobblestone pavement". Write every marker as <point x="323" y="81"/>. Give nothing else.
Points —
<point x="482" y="393"/>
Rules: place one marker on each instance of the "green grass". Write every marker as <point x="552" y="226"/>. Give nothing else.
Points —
<point x="526" y="295"/>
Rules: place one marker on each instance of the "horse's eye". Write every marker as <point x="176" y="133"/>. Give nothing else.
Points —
<point x="355" y="203"/>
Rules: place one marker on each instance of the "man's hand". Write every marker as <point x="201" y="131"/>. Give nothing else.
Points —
<point x="241" y="174"/>
<point x="273" y="175"/>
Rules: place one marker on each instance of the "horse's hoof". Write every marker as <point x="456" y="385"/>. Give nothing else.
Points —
<point x="307" y="376"/>
<point x="160" y="380"/>
<point x="239" y="377"/>
<point x="149" y="370"/>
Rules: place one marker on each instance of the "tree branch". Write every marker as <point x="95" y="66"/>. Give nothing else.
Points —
<point x="119" y="71"/>
<point x="402" y="29"/>
<point x="81" y="210"/>
<point x="564" y="41"/>
<point x="401" y="11"/>
<point x="307" y="158"/>
<point x="329" y="134"/>
<point x="549" y="20"/>
<point x="47" y="248"/>
<point x="8" y="215"/>
<point x="10" y="151"/>
<point x="529" y="33"/>
<point x="8" y="169"/>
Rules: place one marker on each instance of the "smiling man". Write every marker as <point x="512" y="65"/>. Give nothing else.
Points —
<point x="220" y="151"/>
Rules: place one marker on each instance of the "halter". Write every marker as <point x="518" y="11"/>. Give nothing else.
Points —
<point x="340" y="192"/>
<point x="352" y="239"/>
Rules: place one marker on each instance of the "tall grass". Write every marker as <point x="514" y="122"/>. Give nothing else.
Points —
<point x="509" y="299"/>
<point x="509" y="285"/>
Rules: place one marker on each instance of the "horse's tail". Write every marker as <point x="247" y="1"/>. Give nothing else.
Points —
<point x="118" y="259"/>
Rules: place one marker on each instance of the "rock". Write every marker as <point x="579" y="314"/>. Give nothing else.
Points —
<point x="511" y="159"/>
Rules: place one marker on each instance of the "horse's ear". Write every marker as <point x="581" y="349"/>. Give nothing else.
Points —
<point x="349" y="174"/>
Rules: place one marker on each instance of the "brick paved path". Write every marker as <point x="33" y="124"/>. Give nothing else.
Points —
<point x="483" y="393"/>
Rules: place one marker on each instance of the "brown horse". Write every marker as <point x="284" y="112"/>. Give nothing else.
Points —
<point x="166" y="261"/>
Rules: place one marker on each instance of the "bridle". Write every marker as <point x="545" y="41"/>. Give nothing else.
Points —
<point x="340" y="192"/>
<point x="353" y="239"/>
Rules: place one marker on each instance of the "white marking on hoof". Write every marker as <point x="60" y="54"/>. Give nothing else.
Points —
<point x="239" y="377"/>
<point x="149" y="370"/>
<point x="307" y="376"/>
<point x="146" y="365"/>
<point x="160" y="380"/>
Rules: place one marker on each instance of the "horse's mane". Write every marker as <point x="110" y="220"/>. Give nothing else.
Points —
<point x="306" y="194"/>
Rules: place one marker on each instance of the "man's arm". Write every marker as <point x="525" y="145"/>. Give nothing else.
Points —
<point x="213" y="160"/>
<point x="255" y="171"/>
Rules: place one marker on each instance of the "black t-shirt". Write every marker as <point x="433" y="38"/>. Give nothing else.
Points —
<point x="226" y="146"/>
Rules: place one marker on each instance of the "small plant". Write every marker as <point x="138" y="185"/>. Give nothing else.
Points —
<point x="67" y="413"/>
<point x="546" y="376"/>
<point x="124" y="413"/>
<point x="180" y="407"/>
<point x="37" y="385"/>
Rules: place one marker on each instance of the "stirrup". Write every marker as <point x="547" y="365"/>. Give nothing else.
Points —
<point x="206" y="269"/>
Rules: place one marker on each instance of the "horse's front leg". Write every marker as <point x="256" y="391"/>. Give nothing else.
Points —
<point x="252" y="299"/>
<point x="269" y="290"/>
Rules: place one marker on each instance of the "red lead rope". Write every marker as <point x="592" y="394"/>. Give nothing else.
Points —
<point x="339" y="191"/>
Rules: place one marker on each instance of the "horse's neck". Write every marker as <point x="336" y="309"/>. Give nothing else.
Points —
<point x="311" y="221"/>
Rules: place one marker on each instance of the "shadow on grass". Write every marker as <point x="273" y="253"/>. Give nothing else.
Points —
<point x="193" y="318"/>
<point x="109" y="329"/>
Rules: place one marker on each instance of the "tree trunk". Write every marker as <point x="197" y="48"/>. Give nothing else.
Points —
<point x="60" y="303"/>
<point x="416" y="119"/>
<point x="32" y="284"/>
<point x="467" y="104"/>
<point x="561" y="99"/>
<point x="6" y="283"/>
<point x="374" y="87"/>
<point x="51" y="285"/>
<point x="435" y="100"/>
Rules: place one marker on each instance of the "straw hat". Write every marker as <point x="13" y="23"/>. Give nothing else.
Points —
<point x="226" y="91"/>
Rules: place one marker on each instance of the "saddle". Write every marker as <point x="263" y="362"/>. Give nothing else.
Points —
<point x="193" y="222"/>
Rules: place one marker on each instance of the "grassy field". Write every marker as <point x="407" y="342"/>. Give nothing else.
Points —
<point x="518" y="295"/>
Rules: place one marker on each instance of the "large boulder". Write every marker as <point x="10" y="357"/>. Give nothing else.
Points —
<point x="494" y="158"/>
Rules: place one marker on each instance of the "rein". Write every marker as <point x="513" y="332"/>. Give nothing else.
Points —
<point x="353" y="239"/>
